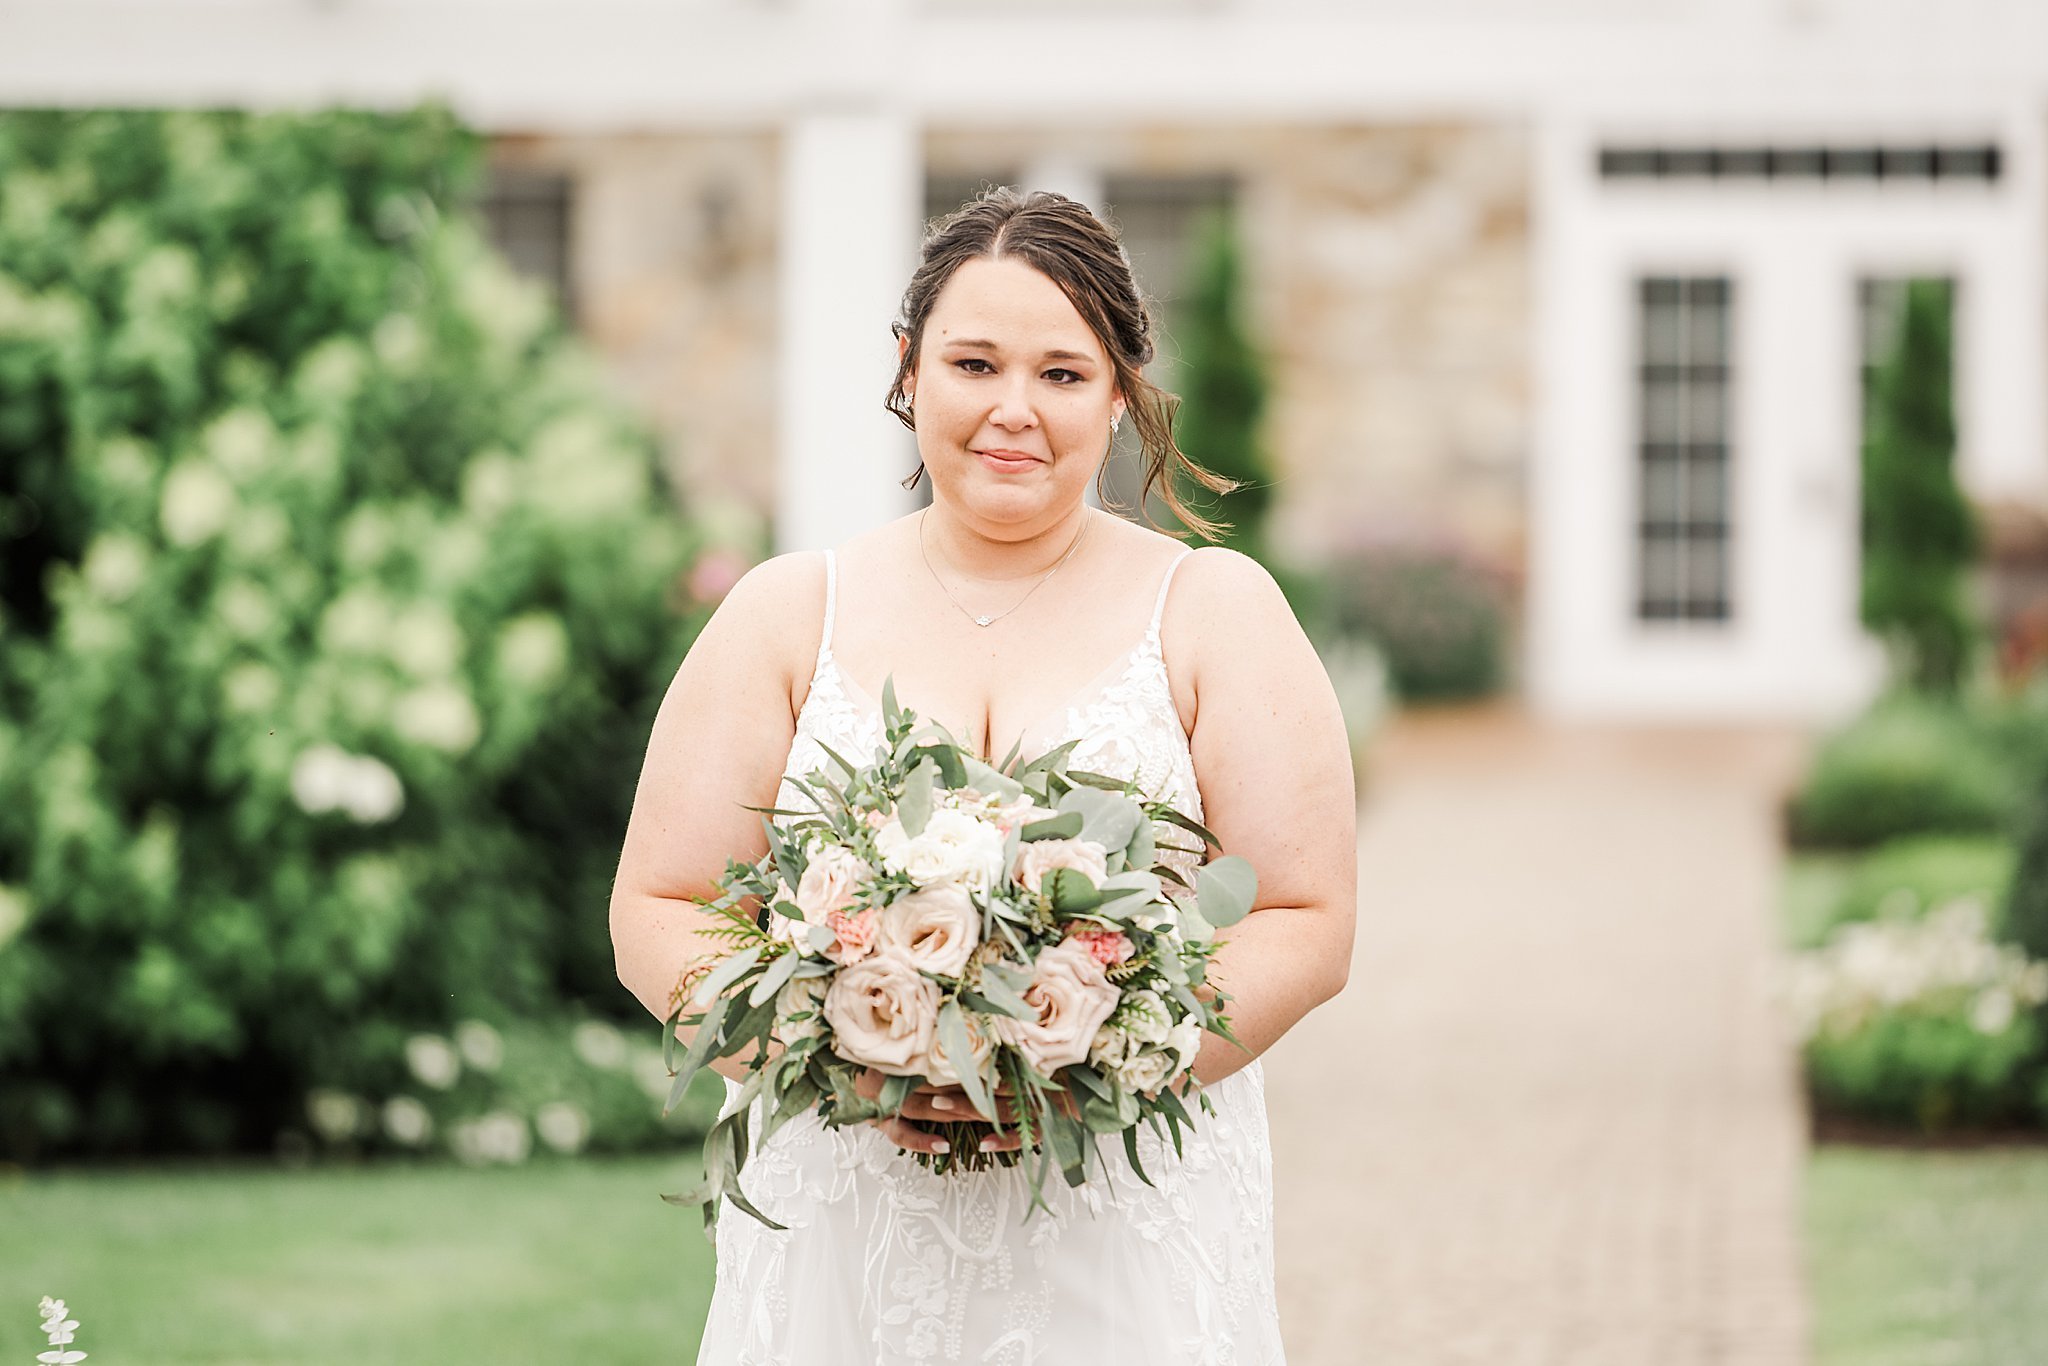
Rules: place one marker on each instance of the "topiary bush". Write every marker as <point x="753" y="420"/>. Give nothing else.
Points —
<point x="1909" y="765"/>
<point x="336" y="597"/>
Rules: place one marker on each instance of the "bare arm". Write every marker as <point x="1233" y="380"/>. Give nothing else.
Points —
<point x="1275" y="766"/>
<point x="718" y="745"/>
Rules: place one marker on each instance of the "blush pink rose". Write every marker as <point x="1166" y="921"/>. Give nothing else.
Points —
<point x="856" y="935"/>
<point x="1072" y="998"/>
<point x="829" y="882"/>
<point x="1107" y="947"/>
<point x="1039" y="857"/>
<point x="883" y="1014"/>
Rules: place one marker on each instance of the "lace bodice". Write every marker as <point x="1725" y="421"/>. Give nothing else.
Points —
<point x="885" y="1264"/>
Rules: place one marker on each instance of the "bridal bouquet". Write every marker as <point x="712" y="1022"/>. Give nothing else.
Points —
<point x="1010" y="931"/>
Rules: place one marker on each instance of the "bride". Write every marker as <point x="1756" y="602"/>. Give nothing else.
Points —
<point x="1009" y="610"/>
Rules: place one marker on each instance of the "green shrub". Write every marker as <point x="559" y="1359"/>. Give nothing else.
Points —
<point x="1910" y="765"/>
<point x="1919" y="533"/>
<point x="1437" y="614"/>
<point x="1907" y="878"/>
<point x="1920" y="1021"/>
<point x="325" y="666"/>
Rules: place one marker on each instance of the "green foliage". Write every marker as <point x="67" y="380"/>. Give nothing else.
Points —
<point x="2026" y="907"/>
<point x="1908" y="877"/>
<point x="1223" y="387"/>
<point x="1932" y="1072"/>
<point x="1919" y="535"/>
<point x="1437" y="615"/>
<point x="345" y="602"/>
<point x="1909" y="765"/>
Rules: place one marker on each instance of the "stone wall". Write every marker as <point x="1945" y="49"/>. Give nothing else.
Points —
<point x="1388" y="269"/>
<point x="1388" y="276"/>
<point x="672" y="250"/>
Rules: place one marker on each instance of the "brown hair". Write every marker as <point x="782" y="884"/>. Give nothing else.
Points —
<point x="1081" y="254"/>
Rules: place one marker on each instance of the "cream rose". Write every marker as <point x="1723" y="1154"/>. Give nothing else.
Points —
<point x="939" y="1069"/>
<point x="883" y="1014"/>
<point x="1036" y="858"/>
<point x="799" y="996"/>
<point x="1147" y="1071"/>
<point x="1145" y="1015"/>
<point x="1185" y="1039"/>
<point x="934" y="929"/>
<point x="1072" y="998"/>
<point x="829" y="881"/>
<point x="954" y="847"/>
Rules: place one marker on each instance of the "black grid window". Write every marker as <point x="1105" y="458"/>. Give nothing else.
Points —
<point x="1682" y="445"/>
<point x="527" y="215"/>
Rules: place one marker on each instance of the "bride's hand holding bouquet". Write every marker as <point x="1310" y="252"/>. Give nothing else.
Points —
<point x="1005" y="952"/>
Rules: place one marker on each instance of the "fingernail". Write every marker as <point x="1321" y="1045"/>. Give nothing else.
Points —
<point x="988" y="1145"/>
<point x="939" y="1145"/>
<point x="942" y="1102"/>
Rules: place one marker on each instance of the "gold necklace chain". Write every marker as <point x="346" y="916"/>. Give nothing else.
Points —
<point x="982" y="619"/>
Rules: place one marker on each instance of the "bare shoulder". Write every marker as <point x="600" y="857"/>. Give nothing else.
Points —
<point x="1230" y="595"/>
<point x="767" y="625"/>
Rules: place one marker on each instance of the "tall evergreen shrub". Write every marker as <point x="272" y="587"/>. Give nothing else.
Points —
<point x="1223" y="384"/>
<point x="335" y="597"/>
<point x="1919" y="534"/>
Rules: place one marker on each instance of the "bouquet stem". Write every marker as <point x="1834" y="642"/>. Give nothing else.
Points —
<point x="964" y="1139"/>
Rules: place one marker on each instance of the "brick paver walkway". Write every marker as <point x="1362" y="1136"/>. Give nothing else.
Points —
<point x="1554" y="1120"/>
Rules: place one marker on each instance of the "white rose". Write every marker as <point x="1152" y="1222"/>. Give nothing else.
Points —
<point x="1113" y="1044"/>
<point x="829" y="882"/>
<point x="1036" y="858"/>
<point x="954" y="847"/>
<point x="883" y="1013"/>
<point x="934" y="928"/>
<point x="1146" y="1016"/>
<point x="800" y="996"/>
<point x="1185" y="1039"/>
<point x="1072" y="998"/>
<point x="1146" y="1072"/>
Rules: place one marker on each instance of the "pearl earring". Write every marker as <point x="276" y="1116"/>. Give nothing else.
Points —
<point x="1115" y="422"/>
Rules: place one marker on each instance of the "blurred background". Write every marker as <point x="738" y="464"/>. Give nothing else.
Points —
<point x="1645" y="408"/>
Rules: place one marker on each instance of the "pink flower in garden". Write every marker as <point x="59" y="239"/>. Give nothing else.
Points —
<point x="714" y="574"/>
<point x="856" y="935"/>
<point x="1107" y="947"/>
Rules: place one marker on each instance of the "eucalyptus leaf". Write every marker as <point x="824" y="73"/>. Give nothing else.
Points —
<point x="1106" y="818"/>
<point x="699" y="1051"/>
<point x="1005" y="993"/>
<point x="1131" y="1152"/>
<point x="957" y="1048"/>
<point x="725" y="974"/>
<point x="890" y="711"/>
<point x="895" y="1091"/>
<point x="1064" y="826"/>
<point x="1226" y="888"/>
<point x="1072" y="891"/>
<point x="1142" y="849"/>
<point x="1100" y="1115"/>
<point x="779" y="972"/>
<point x="914" y="808"/>
<point x="820" y="937"/>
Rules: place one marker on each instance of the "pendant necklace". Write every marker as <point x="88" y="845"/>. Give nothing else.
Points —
<point x="981" y="619"/>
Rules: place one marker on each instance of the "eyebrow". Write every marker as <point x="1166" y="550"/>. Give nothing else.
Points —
<point x="991" y="346"/>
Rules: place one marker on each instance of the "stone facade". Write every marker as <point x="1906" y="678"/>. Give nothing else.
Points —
<point x="673" y="255"/>
<point x="1388" y="277"/>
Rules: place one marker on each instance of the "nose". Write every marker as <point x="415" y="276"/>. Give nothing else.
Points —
<point x="1013" y="410"/>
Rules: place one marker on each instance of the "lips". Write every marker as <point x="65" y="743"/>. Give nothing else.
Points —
<point x="1007" y="460"/>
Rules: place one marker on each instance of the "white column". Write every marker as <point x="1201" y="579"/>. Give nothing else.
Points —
<point x="852" y="191"/>
<point x="1078" y="180"/>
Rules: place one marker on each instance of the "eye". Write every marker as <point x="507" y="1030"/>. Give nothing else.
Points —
<point x="1076" y="377"/>
<point x="971" y="360"/>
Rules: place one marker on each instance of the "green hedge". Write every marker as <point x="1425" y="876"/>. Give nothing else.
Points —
<point x="1910" y="765"/>
<point x="336" y="601"/>
<point x="1438" y="616"/>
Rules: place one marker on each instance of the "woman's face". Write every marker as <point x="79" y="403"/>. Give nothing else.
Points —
<point x="1012" y="396"/>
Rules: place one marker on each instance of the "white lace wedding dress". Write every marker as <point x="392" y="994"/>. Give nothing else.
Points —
<point x="885" y="1264"/>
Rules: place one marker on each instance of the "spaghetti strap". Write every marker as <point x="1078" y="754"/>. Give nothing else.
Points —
<point x="831" y="601"/>
<point x="1159" y="607"/>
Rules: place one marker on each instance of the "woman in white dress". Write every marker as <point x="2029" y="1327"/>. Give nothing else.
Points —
<point x="1011" y="610"/>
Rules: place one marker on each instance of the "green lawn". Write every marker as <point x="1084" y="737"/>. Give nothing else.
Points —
<point x="1920" y="1258"/>
<point x="551" y="1262"/>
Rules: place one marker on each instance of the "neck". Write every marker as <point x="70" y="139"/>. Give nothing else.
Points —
<point x="996" y="554"/>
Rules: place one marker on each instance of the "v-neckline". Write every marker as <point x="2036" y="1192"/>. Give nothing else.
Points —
<point x="861" y="697"/>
